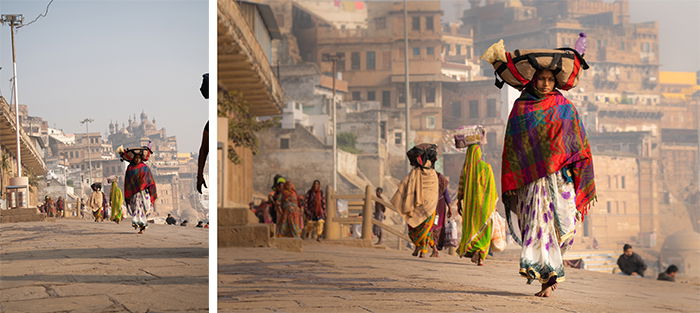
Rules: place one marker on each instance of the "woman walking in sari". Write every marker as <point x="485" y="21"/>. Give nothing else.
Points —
<point x="139" y="186"/>
<point x="116" y="198"/>
<point x="315" y="211"/>
<point x="477" y="198"/>
<point x="547" y="178"/>
<point x="417" y="197"/>
<point x="290" y="222"/>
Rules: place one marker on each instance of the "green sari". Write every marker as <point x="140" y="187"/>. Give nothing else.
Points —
<point x="477" y="191"/>
<point x="116" y="200"/>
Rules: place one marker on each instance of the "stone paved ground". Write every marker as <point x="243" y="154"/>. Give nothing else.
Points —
<point x="333" y="278"/>
<point x="81" y="266"/>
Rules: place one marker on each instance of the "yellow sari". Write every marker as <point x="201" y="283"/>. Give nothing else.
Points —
<point x="477" y="191"/>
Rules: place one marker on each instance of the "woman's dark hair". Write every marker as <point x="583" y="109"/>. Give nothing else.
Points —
<point x="672" y="269"/>
<point x="626" y="247"/>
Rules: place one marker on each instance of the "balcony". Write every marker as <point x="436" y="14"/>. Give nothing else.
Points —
<point x="31" y="158"/>
<point x="242" y="63"/>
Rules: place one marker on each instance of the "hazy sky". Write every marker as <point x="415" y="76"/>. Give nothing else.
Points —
<point x="108" y="60"/>
<point x="679" y="33"/>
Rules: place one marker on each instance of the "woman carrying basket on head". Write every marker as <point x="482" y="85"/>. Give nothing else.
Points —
<point x="139" y="186"/>
<point x="547" y="168"/>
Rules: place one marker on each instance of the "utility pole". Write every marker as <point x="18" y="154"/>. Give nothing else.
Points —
<point x="334" y="58"/>
<point x="15" y="20"/>
<point x="86" y="122"/>
<point x="407" y="95"/>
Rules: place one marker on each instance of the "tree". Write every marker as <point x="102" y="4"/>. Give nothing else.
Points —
<point x="242" y="125"/>
<point x="347" y="142"/>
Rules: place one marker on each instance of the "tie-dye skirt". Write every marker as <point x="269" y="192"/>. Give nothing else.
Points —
<point x="140" y="208"/>
<point x="547" y="218"/>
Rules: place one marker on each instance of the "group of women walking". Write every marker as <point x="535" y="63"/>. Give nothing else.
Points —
<point x="546" y="180"/>
<point x="295" y="215"/>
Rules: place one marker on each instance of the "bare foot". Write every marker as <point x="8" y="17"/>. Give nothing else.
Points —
<point x="416" y="251"/>
<point x="546" y="290"/>
<point x="421" y="255"/>
<point x="476" y="257"/>
<point x="435" y="254"/>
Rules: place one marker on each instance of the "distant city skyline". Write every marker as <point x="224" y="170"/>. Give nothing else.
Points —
<point x="108" y="60"/>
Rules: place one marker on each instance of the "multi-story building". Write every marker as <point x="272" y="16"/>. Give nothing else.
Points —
<point x="137" y="133"/>
<point x="32" y="159"/>
<point x="247" y="32"/>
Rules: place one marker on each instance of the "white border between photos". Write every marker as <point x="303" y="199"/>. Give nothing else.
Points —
<point x="212" y="160"/>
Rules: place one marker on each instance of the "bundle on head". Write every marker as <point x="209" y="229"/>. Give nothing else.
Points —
<point x="517" y="69"/>
<point x="130" y="154"/>
<point x="419" y="155"/>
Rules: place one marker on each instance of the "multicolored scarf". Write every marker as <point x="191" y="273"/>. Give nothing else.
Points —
<point x="139" y="177"/>
<point x="546" y="135"/>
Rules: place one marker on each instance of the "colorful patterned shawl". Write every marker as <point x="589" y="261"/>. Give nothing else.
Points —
<point x="139" y="177"/>
<point x="543" y="136"/>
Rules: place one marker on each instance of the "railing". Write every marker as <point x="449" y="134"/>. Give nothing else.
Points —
<point x="366" y="203"/>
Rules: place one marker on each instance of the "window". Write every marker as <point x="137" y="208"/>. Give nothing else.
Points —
<point x="474" y="109"/>
<point x="356" y="96"/>
<point x="459" y="49"/>
<point x="355" y="60"/>
<point x="380" y="23"/>
<point x="430" y="95"/>
<point x="415" y="23"/>
<point x="430" y="51"/>
<point x="340" y="65"/>
<point x="622" y="182"/>
<point x="429" y="23"/>
<point x="402" y="95"/>
<point x="446" y="49"/>
<point x="416" y="51"/>
<point x="371" y="95"/>
<point x="397" y="139"/>
<point x="491" y="107"/>
<point x="416" y="96"/>
<point x="430" y="122"/>
<point x="371" y="60"/>
<point x="468" y="51"/>
<point x="609" y="207"/>
<point x="456" y="109"/>
<point x="386" y="98"/>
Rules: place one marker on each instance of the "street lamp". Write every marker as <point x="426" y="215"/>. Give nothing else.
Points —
<point x="15" y="20"/>
<point x="334" y="58"/>
<point x="86" y="122"/>
<point x="407" y="96"/>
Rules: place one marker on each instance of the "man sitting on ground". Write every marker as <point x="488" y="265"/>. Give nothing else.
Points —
<point x="669" y="274"/>
<point x="631" y="263"/>
<point x="170" y="220"/>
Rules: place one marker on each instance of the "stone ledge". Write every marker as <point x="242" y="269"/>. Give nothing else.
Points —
<point x="257" y="235"/>
<point x="236" y="217"/>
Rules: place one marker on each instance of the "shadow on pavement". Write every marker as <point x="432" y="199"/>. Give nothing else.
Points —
<point x="106" y="279"/>
<point x="108" y="253"/>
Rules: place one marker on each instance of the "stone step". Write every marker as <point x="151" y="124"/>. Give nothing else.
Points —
<point x="21" y="211"/>
<point x="257" y="235"/>
<point x="236" y="217"/>
<point x="18" y="218"/>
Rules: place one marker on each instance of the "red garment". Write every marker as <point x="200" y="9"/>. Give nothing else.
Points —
<point x="139" y="177"/>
